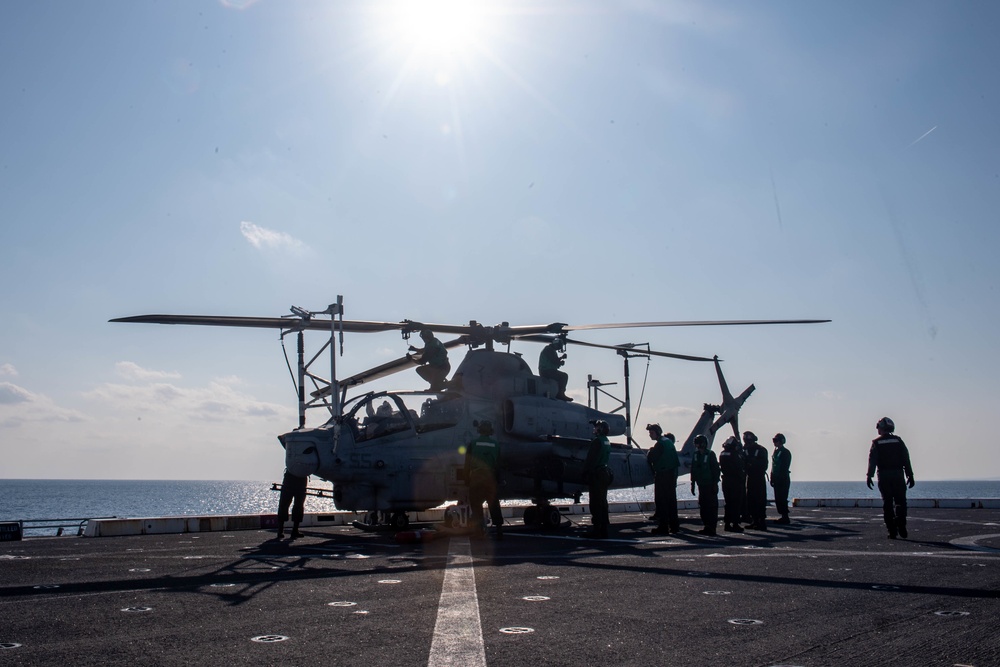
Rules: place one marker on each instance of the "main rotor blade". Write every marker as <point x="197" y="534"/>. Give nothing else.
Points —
<point x="622" y="348"/>
<point x="293" y="323"/>
<point x="702" y="323"/>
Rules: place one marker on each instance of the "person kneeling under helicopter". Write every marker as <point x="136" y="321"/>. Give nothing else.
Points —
<point x="433" y="360"/>
<point x="481" y="475"/>
<point x="549" y="362"/>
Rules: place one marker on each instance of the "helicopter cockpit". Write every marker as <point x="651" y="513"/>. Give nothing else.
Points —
<point x="381" y="414"/>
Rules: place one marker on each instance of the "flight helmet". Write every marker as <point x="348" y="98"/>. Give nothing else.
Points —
<point x="886" y="425"/>
<point x="779" y="437"/>
<point x="601" y="427"/>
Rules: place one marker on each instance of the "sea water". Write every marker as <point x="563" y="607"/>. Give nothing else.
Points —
<point x="25" y="499"/>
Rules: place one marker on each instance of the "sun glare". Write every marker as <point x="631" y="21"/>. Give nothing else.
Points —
<point x="437" y="26"/>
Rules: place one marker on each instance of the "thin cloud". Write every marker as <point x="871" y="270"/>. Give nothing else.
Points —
<point x="132" y="371"/>
<point x="8" y="369"/>
<point x="11" y="394"/>
<point x="263" y="238"/>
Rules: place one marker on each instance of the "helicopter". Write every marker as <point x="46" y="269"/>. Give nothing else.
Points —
<point x="391" y="453"/>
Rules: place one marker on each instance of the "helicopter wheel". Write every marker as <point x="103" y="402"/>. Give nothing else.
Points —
<point x="531" y="515"/>
<point x="400" y="520"/>
<point x="552" y="517"/>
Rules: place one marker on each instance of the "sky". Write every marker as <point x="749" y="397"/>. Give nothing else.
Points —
<point x="529" y="162"/>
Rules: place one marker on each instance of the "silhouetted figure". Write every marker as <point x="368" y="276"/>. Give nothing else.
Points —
<point x="756" y="465"/>
<point x="598" y="476"/>
<point x="891" y="459"/>
<point x="549" y="362"/>
<point x="293" y="488"/>
<point x="705" y="474"/>
<point x="433" y="360"/>
<point x="733" y="484"/>
<point x="781" y="476"/>
<point x="481" y="474"/>
<point x="663" y="459"/>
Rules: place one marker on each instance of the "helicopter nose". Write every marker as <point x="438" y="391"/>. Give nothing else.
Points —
<point x="301" y="454"/>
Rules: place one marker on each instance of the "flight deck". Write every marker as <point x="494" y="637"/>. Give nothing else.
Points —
<point x="829" y="589"/>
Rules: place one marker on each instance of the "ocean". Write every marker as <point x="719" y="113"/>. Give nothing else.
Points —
<point x="32" y="499"/>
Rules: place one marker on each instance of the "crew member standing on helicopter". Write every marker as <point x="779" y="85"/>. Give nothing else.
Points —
<point x="663" y="459"/>
<point x="549" y="362"/>
<point x="481" y="474"/>
<point x="433" y="360"/>
<point x="781" y="476"/>
<point x="705" y="473"/>
<point x="293" y="493"/>
<point x="756" y="463"/>
<point x="733" y="484"/>
<point x="890" y="457"/>
<point x="598" y="476"/>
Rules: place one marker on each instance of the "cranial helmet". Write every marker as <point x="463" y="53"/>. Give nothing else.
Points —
<point x="748" y="436"/>
<point x="779" y="437"/>
<point x="601" y="427"/>
<point x="730" y="442"/>
<point x="886" y="425"/>
<point x="700" y="440"/>
<point x="655" y="428"/>
<point x="486" y="427"/>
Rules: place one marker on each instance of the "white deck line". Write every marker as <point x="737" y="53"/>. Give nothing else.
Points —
<point x="458" y="633"/>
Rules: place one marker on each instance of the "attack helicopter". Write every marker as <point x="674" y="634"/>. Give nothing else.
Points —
<point x="389" y="453"/>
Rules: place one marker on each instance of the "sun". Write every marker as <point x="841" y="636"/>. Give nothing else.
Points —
<point x="436" y="27"/>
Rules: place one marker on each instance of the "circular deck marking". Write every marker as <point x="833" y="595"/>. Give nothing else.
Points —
<point x="972" y="543"/>
<point x="361" y="612"/>
<point x="885" y="587"/>
<point x="222" y="585"/>
<point x="547" y="577"/>
<point x="536" y="598"/>
<point x="45" y="586"/>
<point x="137" y="609"/>
<point x="390" y="581"/>
<point x="139" y="569"/>
<point x="516" y="631"/>
<point x="357" y="556"/>
<point x="951" y="613"/>
<point x="193" y="557"/>
<point x="342" y="603"/>
<point x="715" y="592"/>
<point x="745" y="621"/>
<point x="69" y="559"/>
<point x="699" y="574"/>
<point x="269" y="639"/>
<point x="9" y="645"/>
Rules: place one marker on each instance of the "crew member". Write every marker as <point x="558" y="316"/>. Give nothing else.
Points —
<point x="481" y="474"/>
<point x="891" y="459"/>
<point x="663" y="459"/>
<point x="433" y="360"/>
<point x="733" y="484"/>
<point x="598" y="476"/>
<point x="549" y="362"/>
<point x="293" y="488"/>
<point x="705" y="474"/>
<point x="756" y="463"/>
<point x="781" y="476"/>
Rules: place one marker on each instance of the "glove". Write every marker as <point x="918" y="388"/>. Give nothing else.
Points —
<point x="910" y="482"/>
<point x="870" y="485"/>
